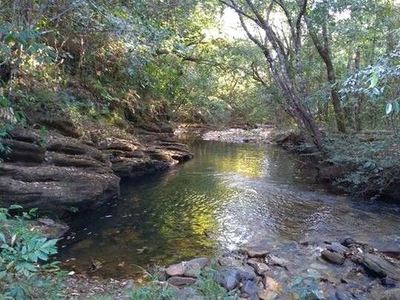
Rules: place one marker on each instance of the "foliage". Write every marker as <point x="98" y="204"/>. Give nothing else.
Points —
<point x="373" y="159"/>
<point x="24" y="257"/>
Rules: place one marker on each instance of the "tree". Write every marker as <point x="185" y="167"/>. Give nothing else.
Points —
<point x="282" y="53"/>
<point x="322" y="44"/>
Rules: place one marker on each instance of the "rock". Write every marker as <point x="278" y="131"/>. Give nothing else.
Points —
<point x="24" y="135"/>
<point x="387" y="281"/>
<point x="276" y="261"/>
<point x="273" y="285"/>
<point x="189" y="293"/>
<point x="22" y="152"/>
<point x="53" y="121"/>
<point x="46" y="221"/>
<point x="176" y="270"/>
<point x="256" y="251"/>
<point x="56" y="188"/>
<point x="333" y="257"/>
<point x="229" y="279"/>
<point x="246" y="273"/>
<point x="267" y="295"/>
<point x="49" y="228"/>
<point x="160" y="274"/>
<point x="192" y="270"/>
<point x="259" y="267"/>
<point x="380" y="266"/>
<point x="202" y="261"/>
<point x="251" y="289"/>
<point x="347" y="241"/>
<point x="393" y="294"/>
<point x="229" y="261"/>
<point x="338" y="248"/>
<point x="343" y="295"/>
<point x="181" y="281"/>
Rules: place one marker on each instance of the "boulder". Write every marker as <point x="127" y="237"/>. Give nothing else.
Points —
<point x="380" y="266"/>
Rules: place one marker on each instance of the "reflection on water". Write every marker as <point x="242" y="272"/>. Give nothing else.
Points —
<point x="228" y="195"/>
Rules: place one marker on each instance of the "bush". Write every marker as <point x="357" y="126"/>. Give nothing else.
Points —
<point x="24" y="255"/>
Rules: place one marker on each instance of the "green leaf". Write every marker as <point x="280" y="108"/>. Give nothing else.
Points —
<point x="396" y="107"/>
<point x="4" y="101"/>
<point x="374" y="81"/>
<point x="2" y="237"/>
<point x="15" y="206"/>
<point x="389" y="108"/>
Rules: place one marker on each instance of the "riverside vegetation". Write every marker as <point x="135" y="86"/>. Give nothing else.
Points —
<point x="89" y="90"/>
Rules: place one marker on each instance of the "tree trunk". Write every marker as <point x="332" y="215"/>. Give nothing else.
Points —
<point x="324" y="53"/>
<point x="360" y="98"/>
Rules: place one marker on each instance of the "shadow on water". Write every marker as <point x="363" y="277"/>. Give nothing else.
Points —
<point x="227" y="195"/>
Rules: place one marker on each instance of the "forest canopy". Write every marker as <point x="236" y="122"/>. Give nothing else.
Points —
<point x="310" y="64"/>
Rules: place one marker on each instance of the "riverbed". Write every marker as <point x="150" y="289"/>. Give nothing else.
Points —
<point x="229" y="194"/>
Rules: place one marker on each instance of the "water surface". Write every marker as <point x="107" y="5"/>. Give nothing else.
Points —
<point x="227" y="195"/>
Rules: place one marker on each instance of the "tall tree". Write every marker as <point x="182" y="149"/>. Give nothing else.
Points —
<point x="282" y="53"/>
<point x="322" y="44"/>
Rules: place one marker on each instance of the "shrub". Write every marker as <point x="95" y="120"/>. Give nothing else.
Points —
<point x="24" y="256"/>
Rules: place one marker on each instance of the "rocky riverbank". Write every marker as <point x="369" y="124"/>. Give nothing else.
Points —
<point x="339" y="270"/>
<point x="64" y="168"/>
<point x="254" y="272"/>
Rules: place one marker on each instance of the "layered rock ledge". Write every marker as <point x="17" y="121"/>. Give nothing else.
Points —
<point x="58" y="170"/>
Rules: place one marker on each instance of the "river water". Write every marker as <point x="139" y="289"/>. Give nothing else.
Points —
<point x="227" y="195"/>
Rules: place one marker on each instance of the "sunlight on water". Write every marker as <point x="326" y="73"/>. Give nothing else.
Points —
<point x="229" y="194"/>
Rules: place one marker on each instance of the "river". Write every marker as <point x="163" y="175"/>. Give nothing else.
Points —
<point x="227" y="195"/>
